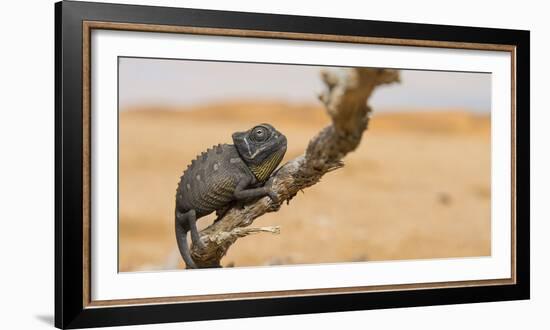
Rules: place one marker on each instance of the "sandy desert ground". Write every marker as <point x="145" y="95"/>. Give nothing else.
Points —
<point x="417" y="187"/>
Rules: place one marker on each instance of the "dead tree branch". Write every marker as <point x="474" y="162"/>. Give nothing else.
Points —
<point x="345" y="99"/>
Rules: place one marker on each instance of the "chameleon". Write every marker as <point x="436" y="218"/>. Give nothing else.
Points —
<point x="223" y="174"/>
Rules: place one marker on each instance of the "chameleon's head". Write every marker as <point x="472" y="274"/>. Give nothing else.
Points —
<point x="262" y="148"/>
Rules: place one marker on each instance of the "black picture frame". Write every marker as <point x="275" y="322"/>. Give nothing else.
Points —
<point x="70" y="181"/>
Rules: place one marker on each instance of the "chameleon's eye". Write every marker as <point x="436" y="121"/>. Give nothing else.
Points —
<point x="259" y="134"/>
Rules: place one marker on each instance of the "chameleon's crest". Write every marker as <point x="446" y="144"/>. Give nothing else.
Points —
<point x="262" y="148"/>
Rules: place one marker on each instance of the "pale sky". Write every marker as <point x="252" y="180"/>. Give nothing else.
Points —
<point x="144" y="81"/>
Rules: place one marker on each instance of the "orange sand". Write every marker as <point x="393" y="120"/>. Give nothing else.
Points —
<point x="417" y="187"/>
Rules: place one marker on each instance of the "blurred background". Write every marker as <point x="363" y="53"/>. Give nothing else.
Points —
<point x="417" y="187"/>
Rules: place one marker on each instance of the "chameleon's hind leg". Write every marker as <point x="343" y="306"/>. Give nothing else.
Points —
<point x="192" y="221"/>
<point x="182" y="227"/>
<point x="221" y="212"/>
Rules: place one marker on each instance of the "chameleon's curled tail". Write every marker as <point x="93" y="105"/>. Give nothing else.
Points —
<point x="181" y="237"/>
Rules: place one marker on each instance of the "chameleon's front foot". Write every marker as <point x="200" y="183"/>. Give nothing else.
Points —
<point x="273" y="194"/>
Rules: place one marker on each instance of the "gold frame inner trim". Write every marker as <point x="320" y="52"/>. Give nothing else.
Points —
<point x="88" y="26"/>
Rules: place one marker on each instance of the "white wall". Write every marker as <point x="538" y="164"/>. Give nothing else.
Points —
<point x="26" y="165"/>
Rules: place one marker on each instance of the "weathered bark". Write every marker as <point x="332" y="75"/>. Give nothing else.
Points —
<point x="345" y="98"/>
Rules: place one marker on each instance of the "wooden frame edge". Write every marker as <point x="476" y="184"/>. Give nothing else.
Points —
<point x="139" y="27"/>
<point x="294" y="293"/>
<point x="86" y="163"/>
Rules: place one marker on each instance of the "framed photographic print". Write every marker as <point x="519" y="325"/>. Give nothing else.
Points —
<point x="215" y="164"/>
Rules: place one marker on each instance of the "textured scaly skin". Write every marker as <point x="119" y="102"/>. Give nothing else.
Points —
<point x="209" y="182"/>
